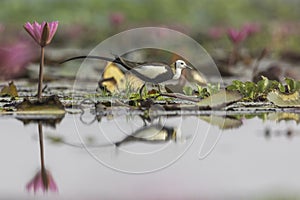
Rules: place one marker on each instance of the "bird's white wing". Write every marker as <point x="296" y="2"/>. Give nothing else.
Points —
<point x="152" y="133"/>
<point x="151" y="71"/>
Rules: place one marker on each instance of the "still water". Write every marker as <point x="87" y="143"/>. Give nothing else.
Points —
<point x="129" y="157"/>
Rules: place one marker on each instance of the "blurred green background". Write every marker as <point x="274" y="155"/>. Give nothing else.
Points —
<point x="193" y="13"/>
<point x="83" y="23"/>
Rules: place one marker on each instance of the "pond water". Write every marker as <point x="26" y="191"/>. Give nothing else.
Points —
<point x="179" y="157"/>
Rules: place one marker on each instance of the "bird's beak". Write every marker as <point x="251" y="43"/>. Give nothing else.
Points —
<point x="189" y="67"/>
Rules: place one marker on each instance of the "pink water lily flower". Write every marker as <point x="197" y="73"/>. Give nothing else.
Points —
<point x="2" y="27"/>
<point x="216" y="32"/>
<point x="42" y="33"/>
<point x="14" y="58"/>
<point x="44" y="181"/>
<point x="237" y="36"/>
<point x="116" y="18"/>
<point x="251" y="28"/>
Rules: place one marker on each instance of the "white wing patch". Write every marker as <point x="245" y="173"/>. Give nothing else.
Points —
<point x="152" y="133"/>
<point x="151" y="71"/>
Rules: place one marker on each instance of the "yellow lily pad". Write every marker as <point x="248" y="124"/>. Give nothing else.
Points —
<point x="284" y="117"/>
<point x="284" y="100"/>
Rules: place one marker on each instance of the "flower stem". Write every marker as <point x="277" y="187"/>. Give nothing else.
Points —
<point x="40" y="85"/>
<point x="43" y="169"/>
<point x="41" y="140"/>
<point x="233" y="56"/>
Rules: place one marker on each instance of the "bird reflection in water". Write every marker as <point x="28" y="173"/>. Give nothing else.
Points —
<point x="155" y="133"/>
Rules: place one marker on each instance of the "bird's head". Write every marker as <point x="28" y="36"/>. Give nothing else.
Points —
<point x="180" y="64"/>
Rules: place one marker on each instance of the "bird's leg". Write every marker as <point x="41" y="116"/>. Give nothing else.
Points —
<point x="159" y="89"/>
<point x="141" y="91"/>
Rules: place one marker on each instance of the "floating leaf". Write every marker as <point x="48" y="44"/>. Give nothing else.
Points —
<point x="284" y="117"/>
<point x="55" y="139"/>
<point x="284" y="100"/>
<point x="10" y="90"/>
<point x="223" y="122"/>
<point x="48" y="105"/>
<point x="46" y="120"/>
<point x="220" y="99"/>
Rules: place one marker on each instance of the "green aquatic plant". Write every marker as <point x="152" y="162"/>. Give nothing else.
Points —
<point x="187" y="90"/>
<point x="259" y="91"/>
<point x="213" y="88"/>
<point x="251" y="91"/>
<point x="248" y="89"/>
<point x="291" y="86"/>
<point x="202" y="92"/>
<point x="104" y="93"/>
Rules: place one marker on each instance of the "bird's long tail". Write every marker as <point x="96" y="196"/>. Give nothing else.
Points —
<point x="117" y="60"/>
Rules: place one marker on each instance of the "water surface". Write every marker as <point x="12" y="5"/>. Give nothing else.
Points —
<point x="255" y="160"/>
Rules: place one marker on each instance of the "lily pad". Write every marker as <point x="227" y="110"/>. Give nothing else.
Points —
<point x="284" y="117"/>
<point x="220" y="99"/>
<point x="49" y="105"/>
<point x="46" y="120"/>
<point x="223" y="122"/>
<point x="284" y="100"/>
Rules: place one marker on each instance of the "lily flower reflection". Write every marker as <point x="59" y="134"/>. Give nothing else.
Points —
<point x="43" y="180"/>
